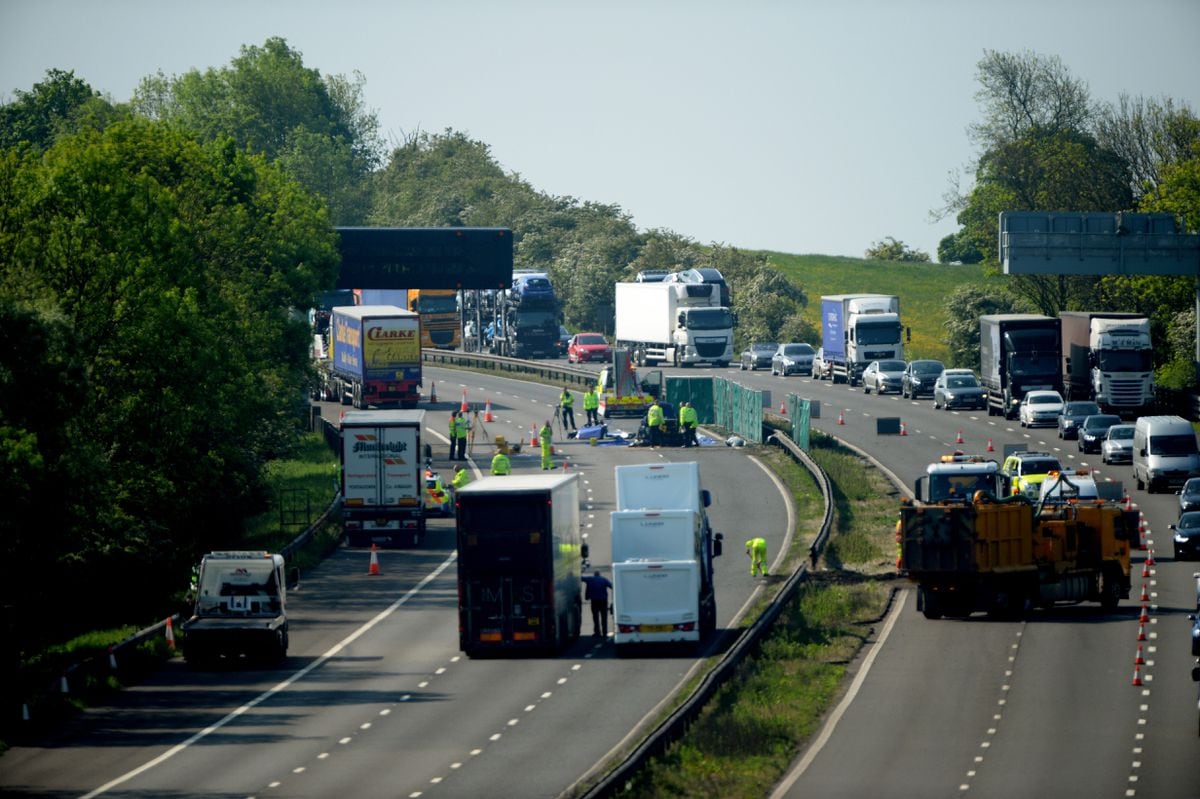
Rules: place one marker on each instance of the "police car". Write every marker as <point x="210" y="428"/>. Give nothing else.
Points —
<point x="1027" y="471"/>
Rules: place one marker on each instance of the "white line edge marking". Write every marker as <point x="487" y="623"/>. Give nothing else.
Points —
<point x="338" y="647"/>
<point x="843" y="706"/>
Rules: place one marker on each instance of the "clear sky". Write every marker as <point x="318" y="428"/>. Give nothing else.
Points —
<point x="804" y="127"/>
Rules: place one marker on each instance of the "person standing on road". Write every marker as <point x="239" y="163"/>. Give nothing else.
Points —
<point x="566" y="401"/>
<point x="591" y="406"/>
<point x="461" y="478"/>
<point x="687" y="423"/>
<point x="460" y="435"/>
<point x="501" y="464"/>
<point x="452" y="435"/>
<point x="654" y="421"/>
<point x="597" y="593"/>
<point x="545" y="439"/>
<point x="756" y="548"/>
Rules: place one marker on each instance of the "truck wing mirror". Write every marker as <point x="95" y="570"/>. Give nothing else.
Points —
<point x="706" y="497"/>
<point x="718" y="544"/>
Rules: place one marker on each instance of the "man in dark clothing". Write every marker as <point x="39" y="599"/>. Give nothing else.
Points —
<point x="597" y="594"/>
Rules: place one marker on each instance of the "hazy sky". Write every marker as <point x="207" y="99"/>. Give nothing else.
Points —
<point x="805" y="127"/>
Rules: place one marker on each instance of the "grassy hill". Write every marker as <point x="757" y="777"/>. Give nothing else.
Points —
<point x="922" y="289"/>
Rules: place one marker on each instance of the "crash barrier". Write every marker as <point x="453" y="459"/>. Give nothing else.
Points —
<point x="801" y="412"/>
<point x="738" y="409"/>
<point x="550" y="371"/>
<point x="748" y="639"/>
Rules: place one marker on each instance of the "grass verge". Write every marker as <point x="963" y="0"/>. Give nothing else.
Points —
<point x="745" y="739"/>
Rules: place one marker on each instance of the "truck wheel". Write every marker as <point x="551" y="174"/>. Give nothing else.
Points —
<point x="929" y="604"/>
<point x="1110" y="592"/>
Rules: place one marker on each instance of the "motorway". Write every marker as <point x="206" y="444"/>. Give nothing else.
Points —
<point x="375" y="698"/>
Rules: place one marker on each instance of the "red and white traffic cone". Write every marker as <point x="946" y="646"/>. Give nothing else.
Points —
<point x="464" y="407"/>
<point x="373" y="569"/>
<point x="959" y="440"/>
<point x="841" y="417"/>
<point x="782" y="409"/>
<point x="1141" y="631"/>
<point x="170" y="635"/>
<point x="1145" y="569"/>
<point x="433" y="392"/>
<point x="1137" y="676"/>
<point x="1150" y="556"/>
<point x="903" y="429"/>
<point x="1138" y="660"/>
<point x="487" y="411"/>
<point x="1145" y="593"/>
<point x="990" y="448"/>
<point x="1144" y="618"/>
<point x="1128" y="502"/>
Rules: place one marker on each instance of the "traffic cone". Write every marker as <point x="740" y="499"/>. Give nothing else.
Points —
<point x="170" y="635"/>
<point x="433" y="392"/>
<point x="464" y="407"/>
<point x="1145" y="593"/>
<point x="959" y="440"/>
<point x="1138" y="660"/>
<point x="373" y="569"/>
<point x="1141" y="631"/>
<point x="990" y="448"/>
<point x="1145" y="569"/>
<point x="1145" y="615"/>
<point x="903" y="429"/>
<point x="782" y="409"/>
<point x="1137" y="675"/>
<point x="564" y="464"/>
<point x="487" y="411"/>
<point x="1128" y="503"/>
<point x="1150" y="557"/>
<point x="533" y="440"/>
<point x="841" y="417"/>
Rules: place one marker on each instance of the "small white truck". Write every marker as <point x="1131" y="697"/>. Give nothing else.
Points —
<point x="240" y="608"/>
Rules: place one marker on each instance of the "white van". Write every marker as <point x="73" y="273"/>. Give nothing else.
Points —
<point x="1164" y="452"/>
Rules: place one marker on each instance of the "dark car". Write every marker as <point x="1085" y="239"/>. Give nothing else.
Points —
<point x="919" y="377"/>
<point x="671" y="437"/>
<point x="1186" y="539"/>
<point x="1189" y="495"/>
<point x="1073" y="414"/>
<point x="1093" y="430"/>
<point x="532" y="289"/>
<point x="958" y="388"/>
<point x="758" y="354"/>
<point x="882" y="376"/>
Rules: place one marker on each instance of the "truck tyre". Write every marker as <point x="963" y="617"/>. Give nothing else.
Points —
<point x="1138" y="479"/>
<point x="929" y="603"/>
<point x="1110" y="592"/>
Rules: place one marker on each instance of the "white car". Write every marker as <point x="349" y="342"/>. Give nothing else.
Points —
<point x="1118" y="444"/>
<point x="1040" y="409"/>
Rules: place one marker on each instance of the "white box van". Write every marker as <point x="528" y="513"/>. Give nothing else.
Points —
<point x="1164" y="452"/>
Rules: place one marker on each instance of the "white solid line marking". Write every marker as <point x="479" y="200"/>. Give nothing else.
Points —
<point x="345" y="740"/>
<point x="320" y="661"/>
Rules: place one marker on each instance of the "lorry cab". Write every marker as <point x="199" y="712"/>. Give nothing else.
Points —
<point x="957" y="477"/>
<point x="240" y="608"/>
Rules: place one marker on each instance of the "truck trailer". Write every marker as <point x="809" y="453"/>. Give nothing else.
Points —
<point x="382" y="479"/>
<point x="520" y="564"/>
<point x="374" y="357"/>
<point x="662" y="551"/>
<point x="1109" y="357"/>
<point x="1018" y="353"/>
<point x="677" y="323"/>
<point x="857" y="329"/>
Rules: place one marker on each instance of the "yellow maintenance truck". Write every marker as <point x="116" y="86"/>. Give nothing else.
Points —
<point x="622" y="391"/>
<point x="974" y="551"/>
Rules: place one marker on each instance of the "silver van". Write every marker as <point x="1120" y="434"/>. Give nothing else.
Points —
<point x="1164" y="452"/>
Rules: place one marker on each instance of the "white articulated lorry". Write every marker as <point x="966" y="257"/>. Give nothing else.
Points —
<point x="662" y="548"/>
<point x="677" y="323"/>
<point x="1109" y="357"/>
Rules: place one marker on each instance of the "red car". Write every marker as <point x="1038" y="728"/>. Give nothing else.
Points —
<point x="588" y="347"/>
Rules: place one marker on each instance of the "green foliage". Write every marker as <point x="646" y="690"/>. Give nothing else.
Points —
<point x="890" y="249"/>
<point x="963" y="308"/>
<point x="172" y="264"/>
<point x="1179" y="373"/>
<point x="956" y="248"/>
<point x="59" y="105"/>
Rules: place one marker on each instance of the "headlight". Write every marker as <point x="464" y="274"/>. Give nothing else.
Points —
<point x="1068" y="423"/>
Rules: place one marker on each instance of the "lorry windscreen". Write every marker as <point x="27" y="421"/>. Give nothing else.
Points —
<point x="535" y="320"/>
<point x="1032" y="341"/>
<point x="877" y="333"/>
<point x="1038" y="363"/>
<point x="238" y="586"/>
<point x="709" y="319"/>
<point x="433" y="303"/>
<point x="1125" y="361"/>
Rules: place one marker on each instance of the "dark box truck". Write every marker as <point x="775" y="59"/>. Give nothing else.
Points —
<point x="1018" y="353"/>
<point x="520" y="564"/>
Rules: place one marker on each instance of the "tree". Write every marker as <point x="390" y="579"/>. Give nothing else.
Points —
<point x="270" y="103"/>
<point x="1021" y="92"/>
<point x="964" y="306"/>
<point x="173" y="264"/>
<point x="956" y="248"/>
<point x="60" y="104"/>
<point x="892" y="250"/>
<point x="1148" y="135"/>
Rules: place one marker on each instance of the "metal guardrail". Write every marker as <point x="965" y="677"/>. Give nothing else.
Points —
<point x="673" y="726"/>
<point x="549" y="371"/>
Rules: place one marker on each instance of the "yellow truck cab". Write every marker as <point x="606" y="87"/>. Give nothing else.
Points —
<point x="1027" y="470"/>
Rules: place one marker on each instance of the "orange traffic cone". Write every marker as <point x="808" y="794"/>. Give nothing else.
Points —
<point x="1141" y="631"/>
<point x="1145" y="569"/>
<point x="1128" y="502"/>
<point x="903" y="429"/>
<point x="1145" y="616"/>
<point x="170" y="635"/>
<point x="1138" y="660"/>
<point x="433" y="392"/>
<point x="464" y="407"/>
<point x="1137" y="675"/>
<point x="841" y="417"/>
<point x="373" y="569"/>
<point x="564" y="464"/>
<point x="533" y="439"/>
<point x="1150" y="557"/>
<point x="959" y="440"/>
<point x="990" y="448"/>
<point x="487" y="411"/>
<point x="1145" y="593"/>
<point x="782" y="409"/>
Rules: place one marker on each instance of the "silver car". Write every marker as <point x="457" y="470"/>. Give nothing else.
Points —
<point x="758" y="354"/>
<point x="958" y="388"/>
<point x="1040" y="409"/>
<point x="791" y="359"/>
<point x="821" y="368"/>
<point x="883" y="376"/>
<point x="1117" y="446"/>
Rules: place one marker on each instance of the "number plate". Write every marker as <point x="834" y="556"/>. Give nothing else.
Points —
<point x="656" y="628"/>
